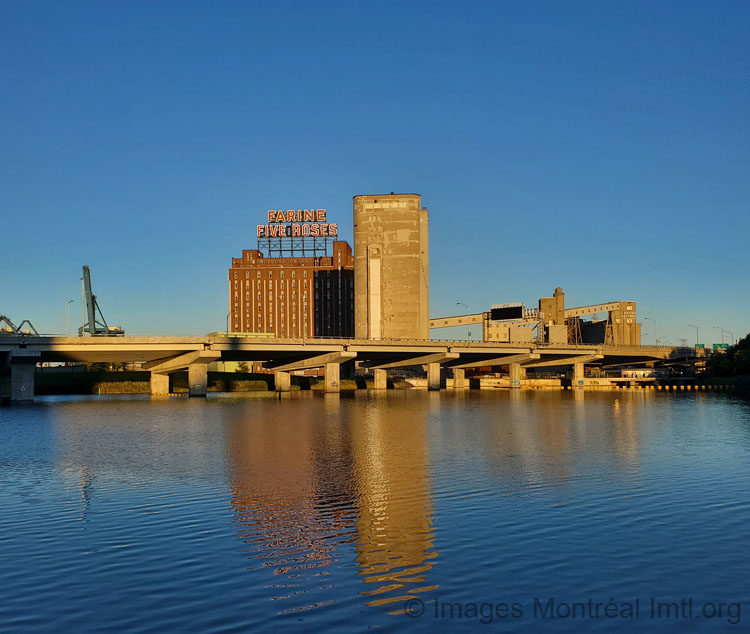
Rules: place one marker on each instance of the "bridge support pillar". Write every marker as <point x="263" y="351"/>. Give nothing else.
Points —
<point x="332" y="377"/>
<point x="282" y="381"/>
<point x="159" y="383"/>
<point x="516" y="374"/>
<point x="459" y="379"/>
<point x="433" y="376"/>
<point x="577" y="374"/>
<point x="22" y="382"/>
<point x="380" y="379"/>
<point x="197" y="379"/>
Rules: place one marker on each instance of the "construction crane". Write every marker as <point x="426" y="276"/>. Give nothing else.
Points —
<point x="94" y="327"/>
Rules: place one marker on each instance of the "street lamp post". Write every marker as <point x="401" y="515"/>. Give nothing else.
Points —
<point x="731" y="337"/>
<point x="656" y="330"/>
<point x="722" y="333"/>
<point x="696" y="333"/>
<point x="70" y="301"/>
<point x="468" y="326"/>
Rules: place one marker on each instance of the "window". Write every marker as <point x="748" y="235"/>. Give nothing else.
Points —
<point x="235" y="286"/>
<point x="294" y="274"/>
<point x="281" y="275"/>
<point x="305" y="274"/>
<point x="258" y="274"/>
<point x="235" y="276"/>
<point x="270" y="273"/>
<point x="247" y="275"/>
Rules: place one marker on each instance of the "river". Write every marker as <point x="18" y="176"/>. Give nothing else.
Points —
<point x="407" y="510"/>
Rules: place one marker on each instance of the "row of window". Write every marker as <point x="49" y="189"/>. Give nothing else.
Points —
<point x="270" y="306"/>
<point x="270" y="274"/>
<point x="294" y="285"/>
<point x="271" y="296"/>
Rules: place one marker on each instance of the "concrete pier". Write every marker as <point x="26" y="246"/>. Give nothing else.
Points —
<point x="380" y="379"/>
<point x="282" y="381"/>
<point x="433" y="376"/>
<point x="22" y="382"/>
<point x="516" y="374"/>
<point x="459" y="379"/>
<point x="159" y="384"/>
<point x="332" y="377"/>
<point x="197" y="379"/>
<point x="577" y="374"/>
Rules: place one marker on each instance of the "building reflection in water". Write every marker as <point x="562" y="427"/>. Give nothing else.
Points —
<point x="541" y="438"/>
<point x="395" y="536"/>
<point x="318" y="479"/>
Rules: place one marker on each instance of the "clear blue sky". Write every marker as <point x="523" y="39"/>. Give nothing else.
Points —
<point x="598" y="146"/>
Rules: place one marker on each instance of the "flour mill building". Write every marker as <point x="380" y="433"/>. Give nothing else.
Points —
<point x="298" y="283"/>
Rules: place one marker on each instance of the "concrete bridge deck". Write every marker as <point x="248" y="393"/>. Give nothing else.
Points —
<point x="163" y="355"/>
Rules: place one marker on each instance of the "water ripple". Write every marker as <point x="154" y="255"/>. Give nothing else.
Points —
<point x="233" y="515"/>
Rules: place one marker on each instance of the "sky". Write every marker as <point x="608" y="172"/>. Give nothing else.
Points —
<point x="598" y="146"/>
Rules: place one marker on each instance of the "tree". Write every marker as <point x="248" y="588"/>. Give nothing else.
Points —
<point x="719" y="364"/>
<point x="734" y="362"/>
<point x="742" y="362"/>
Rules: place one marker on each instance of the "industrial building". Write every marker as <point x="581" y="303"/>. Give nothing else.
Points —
<point x="299" y="282"/>
<point x="551" y="322"/>
<point x="302" y="281"/>
<point x="391" y="267"/>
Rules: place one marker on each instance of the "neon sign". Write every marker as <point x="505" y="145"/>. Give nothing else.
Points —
<point x="297" y="223"/>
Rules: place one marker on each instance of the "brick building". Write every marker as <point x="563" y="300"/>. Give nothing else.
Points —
<point x="293" y="296"/>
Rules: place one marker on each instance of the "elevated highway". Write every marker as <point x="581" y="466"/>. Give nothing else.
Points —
<point x="163" y="355"/>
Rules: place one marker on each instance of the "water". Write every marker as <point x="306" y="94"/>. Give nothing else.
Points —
<point x="341" y="514"/>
